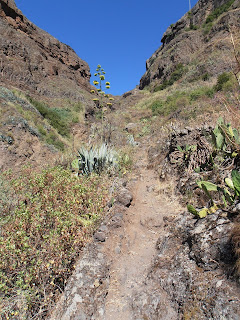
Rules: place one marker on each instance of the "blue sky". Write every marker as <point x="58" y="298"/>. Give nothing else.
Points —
<point x="119" y="35"/>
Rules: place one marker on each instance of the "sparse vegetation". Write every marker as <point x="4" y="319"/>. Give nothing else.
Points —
<point x="179" y="100"/>
<point x="41" y="130"/>
<point x="41" y="236"/>
<point x="53" y="139"/>
<point x="125" y="160"/>
<point x="225" y="82"/>
<point x="171" y="104"/>
<point x="146" y="127"/>
<point x="235" y="238"/>
<point x="207" y="26"/>
<point x="200" y="93"/>
<point x="177" y="74"/>
<point x="218" y="11"/>
<point x="59" y="118"/>
<point x="55" y="116"/>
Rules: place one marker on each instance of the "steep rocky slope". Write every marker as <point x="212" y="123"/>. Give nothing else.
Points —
<point x="198" y="45"/>
<point x="33" y="63"/>
<point x="31" y="58"/>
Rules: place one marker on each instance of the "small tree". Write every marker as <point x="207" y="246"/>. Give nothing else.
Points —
<point x="104" y="101"/>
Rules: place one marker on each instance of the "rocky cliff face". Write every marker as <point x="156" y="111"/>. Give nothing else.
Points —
<point x="35" y="64"/>
<point x="199" y="43"/>
<point x="31" y="58"/>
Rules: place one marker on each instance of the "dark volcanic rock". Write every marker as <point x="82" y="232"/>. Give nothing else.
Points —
<point x="124" y="197"/>
<point x="85" y="294"/>
<point x="33" y="59"/>
<point x="152" y="303"/>
<point x="101" y="234"/>
<point x="193" y="266"/>
<point x="117" y="220"/>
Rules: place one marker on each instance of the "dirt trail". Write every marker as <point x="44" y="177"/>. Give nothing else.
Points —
<point x="125" y="259"/>
<point x="132" y="249"/>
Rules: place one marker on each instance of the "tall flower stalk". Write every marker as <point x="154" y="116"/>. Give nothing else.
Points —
<point x="100" y="83"/>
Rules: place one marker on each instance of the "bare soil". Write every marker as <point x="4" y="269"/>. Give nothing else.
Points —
<point x="132" y="248"/>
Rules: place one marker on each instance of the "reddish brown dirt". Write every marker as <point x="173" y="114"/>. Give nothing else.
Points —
<point x="132" y="248"/>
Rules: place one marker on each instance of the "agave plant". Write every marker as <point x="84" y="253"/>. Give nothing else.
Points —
<point x="96" y="159"/>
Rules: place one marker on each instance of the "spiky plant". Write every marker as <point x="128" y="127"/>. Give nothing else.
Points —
<point x="96" y="159"/>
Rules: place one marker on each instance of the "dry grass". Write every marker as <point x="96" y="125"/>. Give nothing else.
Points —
<point x="236" y="243"/>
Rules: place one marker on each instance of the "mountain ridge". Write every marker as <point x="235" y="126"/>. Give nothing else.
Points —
<point x="30" y="56"/>
<point x="191" y="41"/>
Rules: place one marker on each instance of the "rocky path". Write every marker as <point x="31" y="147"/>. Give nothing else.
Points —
<point x="133" y="248"/>
<point x="111" y="273"/>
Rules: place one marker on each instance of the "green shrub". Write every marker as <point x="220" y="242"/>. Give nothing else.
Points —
<point x="217" y="12"/>
<point x="162" y="86"/>
<point x="157" y="108"/>
<point x="222" y="79"/>
<point x="207" y="27"/>
<point x="78" y="107"/>
<point x="75" y="119"/>
<point x="226" y="82"/>
<point x="175" y="75"/>
<point x="179" y="100"/>
<point x="205" y="76"/>
<point x="231" y="84"/>
<point x="173" y="102"/>
<point x="55" y="116"/>
<point x="194" y="27"/>
<point x="201" y="92"/>
<point x="176" y="100"/>
<point x="41" y="130"/>
<point x="54" y="216"/>
<point x="54" y="140"/>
